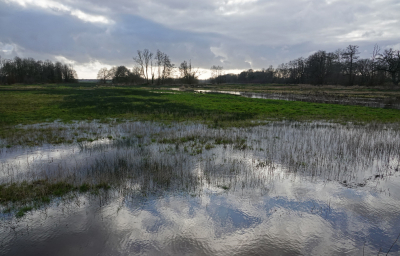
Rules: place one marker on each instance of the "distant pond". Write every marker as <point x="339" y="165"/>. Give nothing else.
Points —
<point x="316" y="98"/>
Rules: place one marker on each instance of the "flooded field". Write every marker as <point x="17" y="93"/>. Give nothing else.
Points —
<point x="279" y="188"/>
<point x="392" y="103"/>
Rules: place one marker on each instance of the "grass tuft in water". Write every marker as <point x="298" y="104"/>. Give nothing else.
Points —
<point x="40" y="192"/>
<point x="22" y="211"/>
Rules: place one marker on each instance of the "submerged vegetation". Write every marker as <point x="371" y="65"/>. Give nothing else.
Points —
<point x="149" y="157"/>
<point x="23" y="197"/>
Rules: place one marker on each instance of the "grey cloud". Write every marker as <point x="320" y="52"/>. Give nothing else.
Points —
<point x="257" y="32"/>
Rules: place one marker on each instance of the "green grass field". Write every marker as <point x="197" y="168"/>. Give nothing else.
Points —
<point x="35" y="104"/>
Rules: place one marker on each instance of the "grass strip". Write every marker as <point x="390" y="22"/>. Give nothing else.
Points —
<point x="43" y="104"/>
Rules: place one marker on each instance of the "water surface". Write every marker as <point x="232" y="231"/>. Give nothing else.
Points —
<point x="317" y="98"/>
<point x="283" y="188"/>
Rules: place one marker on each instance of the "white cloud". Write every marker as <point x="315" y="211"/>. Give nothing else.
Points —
<point x="90" y="69"/>
<point x="57" y="7"/>
<point x="64" y="60"/>
<point x="206" y="73"/>
<point x="90" y="18"/>
<point x="84" y="70"/>
<point x="6" y="48"/>
<point x="219" y="52"/>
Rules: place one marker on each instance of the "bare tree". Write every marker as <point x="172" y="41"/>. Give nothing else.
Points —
<point x="168" y="68"/>
<point x="2" y="77"/>
<point x="350" y="57"/>
<point x="103" y="75"/>
<point x="164" y="66"/>
<point x="389" y="61"/>
<point x="69" y="74"/>
<point x="144" y="61"/>
<point x="188" y="74"/>
<point x="135" y="75"/>
<point x="217" y="74"/>
<point x="111" y="72"/>
<point x="136" y="70"/>
<point x="152" y="71"/>
<point x="365" y="69"/>
<point x="159" y="63"/>
<point x="297" y="70"/>
<point x="161" y="60"/>
<point x="140" y="62"/>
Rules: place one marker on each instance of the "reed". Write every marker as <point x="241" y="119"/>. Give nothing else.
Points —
<point x="153" y="157"/>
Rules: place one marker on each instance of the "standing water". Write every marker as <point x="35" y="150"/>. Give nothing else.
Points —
<point x="393" y="103"/>
<point x="282" y="188"/>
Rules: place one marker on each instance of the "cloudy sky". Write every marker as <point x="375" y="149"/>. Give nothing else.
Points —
<point x="235" y="34"/>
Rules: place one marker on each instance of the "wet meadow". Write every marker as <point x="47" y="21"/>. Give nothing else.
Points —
<point x="86" y="169"/>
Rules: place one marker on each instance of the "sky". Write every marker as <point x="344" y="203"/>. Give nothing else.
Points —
<point x="235" y="34"/>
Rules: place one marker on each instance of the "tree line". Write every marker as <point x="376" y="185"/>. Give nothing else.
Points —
<point x="152" y="69"/>
<point x="341" y="67"/>
<point x="157" y="69"/>
<point x="29" y="71"/>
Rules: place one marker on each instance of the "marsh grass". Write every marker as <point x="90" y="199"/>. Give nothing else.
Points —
<point x="23" y="197"/>
<point x="151" y="157"/>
